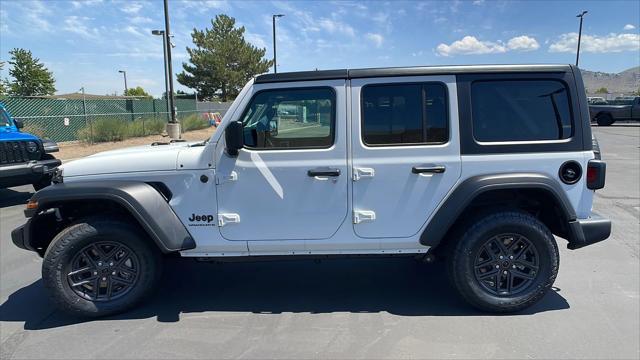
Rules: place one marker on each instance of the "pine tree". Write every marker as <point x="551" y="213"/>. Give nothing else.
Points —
<point x="222" y="60"/>
<point x="30" y="76"/>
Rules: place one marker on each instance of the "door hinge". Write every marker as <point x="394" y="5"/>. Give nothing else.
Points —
<point x="224" y="219"/>
<point x="221" y="179"/>
<point x="359" y="173"/>
<point x="363" y="215"/>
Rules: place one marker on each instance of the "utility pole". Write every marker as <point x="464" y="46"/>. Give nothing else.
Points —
<point x="173" y="127"/>
<point x="166" y="75"/>
<point x="275" y="65"/>
<point x="581" y="15"/>
<point x="126" y="90"/>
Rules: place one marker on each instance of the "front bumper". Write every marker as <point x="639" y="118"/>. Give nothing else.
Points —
<point x="18" y="236"/>
<point x="26" y="173"/>
<point x="589" y="231"/>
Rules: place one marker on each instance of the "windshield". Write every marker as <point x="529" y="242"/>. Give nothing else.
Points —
<point x="4" y="118"/>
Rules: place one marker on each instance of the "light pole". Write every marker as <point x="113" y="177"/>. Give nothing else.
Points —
<point x="164" y="57"/>
<point x="173" y="127"/>
<point x="126" y="90"/>
<point x="581" y="15"/>
<point x="273" y="18"/>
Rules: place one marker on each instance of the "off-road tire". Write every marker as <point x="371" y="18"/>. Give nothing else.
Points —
<point x="70" y="241"/>
<point x="604" y="120"/>
<point x="475" y="234"/>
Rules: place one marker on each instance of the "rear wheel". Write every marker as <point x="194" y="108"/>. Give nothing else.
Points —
<point x="604" y="119"/>
<point x="100" y="267"/>
<point x="504" y="262"/>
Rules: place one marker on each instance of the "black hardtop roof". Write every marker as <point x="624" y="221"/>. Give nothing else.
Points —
<point x="407" y="71"/>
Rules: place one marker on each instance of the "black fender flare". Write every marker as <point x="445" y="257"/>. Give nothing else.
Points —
<point x="141" y="200"/>
<point x="458" y="200"/>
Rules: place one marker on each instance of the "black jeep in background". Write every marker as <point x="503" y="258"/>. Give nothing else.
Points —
<point x="623" y="109"/>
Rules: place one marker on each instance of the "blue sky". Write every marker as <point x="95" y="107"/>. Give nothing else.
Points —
<point x="85" y="43"/>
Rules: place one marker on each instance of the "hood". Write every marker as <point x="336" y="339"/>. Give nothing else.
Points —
<point x="133" y="159"/>
<point x="10" y="133"/>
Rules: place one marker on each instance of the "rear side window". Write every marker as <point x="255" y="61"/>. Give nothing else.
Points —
<point x="520" y="110"/>
<point x="397" y="114"/>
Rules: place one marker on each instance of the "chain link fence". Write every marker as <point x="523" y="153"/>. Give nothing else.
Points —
<point x="96" y="120"/>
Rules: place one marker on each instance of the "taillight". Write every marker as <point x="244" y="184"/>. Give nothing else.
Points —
<point x="596" y="171"/>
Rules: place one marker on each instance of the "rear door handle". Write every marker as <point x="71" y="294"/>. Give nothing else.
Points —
<point x="428" y="168"/>
<point x="323" y="172"/>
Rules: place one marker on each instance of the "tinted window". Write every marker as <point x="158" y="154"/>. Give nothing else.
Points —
<point x="290" y="118"/>
<point x="4" y="118"/>
<point x="520" y="110"/>
<point x="404" y="114"/>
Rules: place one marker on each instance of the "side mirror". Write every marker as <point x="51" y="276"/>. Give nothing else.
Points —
<point x="19" y="123"/>
<point x="234" y="137"/>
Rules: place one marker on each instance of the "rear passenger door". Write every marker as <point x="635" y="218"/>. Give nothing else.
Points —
<point x="405" y="150"/>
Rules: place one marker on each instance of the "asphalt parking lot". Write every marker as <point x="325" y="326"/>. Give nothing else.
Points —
<point x="375" y="308"/>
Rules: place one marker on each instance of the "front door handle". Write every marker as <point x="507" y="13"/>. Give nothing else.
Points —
<point x="428" y="168"/>
<point x="323" y="172"/>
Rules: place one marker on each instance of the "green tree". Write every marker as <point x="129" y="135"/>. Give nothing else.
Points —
<point x="222" y="61"/>
<point x="602" y="90"/>
<point x="3" y="83"/>
<point x="30" y="76"/>
<point x="137" y="91"/>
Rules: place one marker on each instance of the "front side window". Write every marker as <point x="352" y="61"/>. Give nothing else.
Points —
<point x="402" y="114"/>
<point x="4" y="118"/>
<point x="520" y="110"/>
<point x="290" y="118"/>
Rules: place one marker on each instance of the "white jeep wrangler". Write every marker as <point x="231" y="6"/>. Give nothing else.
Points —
<point x="479" y="165"/>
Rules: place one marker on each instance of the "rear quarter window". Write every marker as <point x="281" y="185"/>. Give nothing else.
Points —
<point x="520" y="110"/>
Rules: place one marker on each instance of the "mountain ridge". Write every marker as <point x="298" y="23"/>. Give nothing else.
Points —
<point x="624" y="82"/>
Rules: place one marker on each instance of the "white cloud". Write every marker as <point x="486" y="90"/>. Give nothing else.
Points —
<point x="376" y="39"/>
<point x="255" y="39"/>
<point x="132" y="30"/>
<point x="335" y="26"/>
<point x="140" y="20"/>
<point x="470" y="45"/>
<point x="611" y="43"/>
<point x="78" y="25"/>
<point x="523" y="43"/>
<point x="80" y="3"/>
<point x="629" y="27"/>
<point x="478" y="2"/>
<point x="131" y="7"/>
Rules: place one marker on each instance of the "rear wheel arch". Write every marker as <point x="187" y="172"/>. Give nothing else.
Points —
<point x="536" y="194"/>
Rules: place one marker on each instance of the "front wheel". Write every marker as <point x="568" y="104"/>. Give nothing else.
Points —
<point x="100" y="267"/>
<point x="504" y="262"/>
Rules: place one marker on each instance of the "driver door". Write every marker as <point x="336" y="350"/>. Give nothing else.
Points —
<point x="289" y="182"/>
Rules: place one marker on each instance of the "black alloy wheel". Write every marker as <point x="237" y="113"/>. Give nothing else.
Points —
<point x="103" y="271"/>
<point x="506" y="264"/>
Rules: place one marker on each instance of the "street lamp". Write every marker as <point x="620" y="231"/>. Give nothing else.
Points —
<point x="173" y="127"/>
<point x="581" y="15"/>
<point x="273" y="18"/>
<point x="125" y="81"/>
<point x="164" y="57"/>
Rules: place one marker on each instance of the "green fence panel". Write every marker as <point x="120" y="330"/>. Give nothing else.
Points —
<point x="71" y="119"/>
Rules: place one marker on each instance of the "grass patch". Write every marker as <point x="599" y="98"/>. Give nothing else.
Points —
<point x="194" y="122"/>
<point x="110" y="129"/>
<point x="33" y="129"/>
